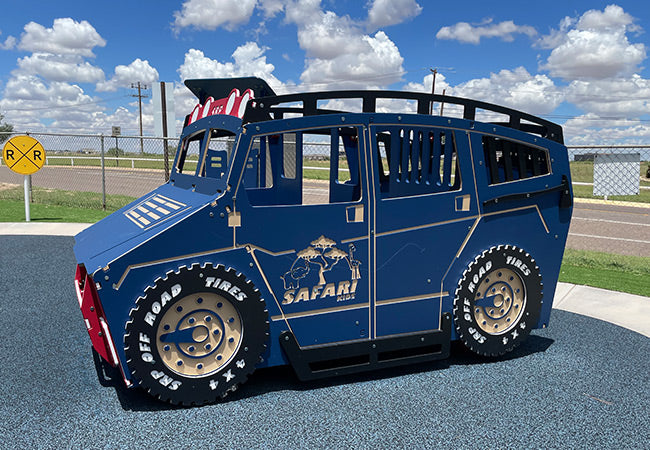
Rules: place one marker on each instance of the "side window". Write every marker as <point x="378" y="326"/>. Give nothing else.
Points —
<point x="188" y="155"/>
<point x="416" y="161"/>
<point x="510" y="161"/>
<point x="310" y="167"/>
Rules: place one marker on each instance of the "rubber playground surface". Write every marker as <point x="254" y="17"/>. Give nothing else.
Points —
<point x="580" y="383"/>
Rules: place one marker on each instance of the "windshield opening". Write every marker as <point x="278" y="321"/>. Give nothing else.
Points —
<point x="206" y="154"/>
<point x="218" y="154"/>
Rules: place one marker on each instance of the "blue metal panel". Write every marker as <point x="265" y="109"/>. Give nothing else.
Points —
<point x="408" y="317"/>
<point x="331" y="328"/>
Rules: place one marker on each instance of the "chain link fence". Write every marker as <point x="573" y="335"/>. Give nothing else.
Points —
<point x="93" y="171"/>
<point x="102" y="171"/>
<point x="615" y="170"/>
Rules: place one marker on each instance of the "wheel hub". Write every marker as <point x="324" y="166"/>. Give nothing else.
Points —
<point x="199" y="335"/>
<point x="500" y="300"/>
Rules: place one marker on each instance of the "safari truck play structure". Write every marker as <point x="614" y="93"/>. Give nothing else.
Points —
<point x="405" y="232"/>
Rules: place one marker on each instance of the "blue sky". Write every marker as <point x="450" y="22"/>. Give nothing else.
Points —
<point x="67" y="65"/>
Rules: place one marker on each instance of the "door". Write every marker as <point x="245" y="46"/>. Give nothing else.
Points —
<point x="304" y="214"/>
<point x="425" y="208"/>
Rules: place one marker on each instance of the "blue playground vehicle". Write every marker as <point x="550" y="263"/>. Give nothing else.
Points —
<point x="319" y="231"/>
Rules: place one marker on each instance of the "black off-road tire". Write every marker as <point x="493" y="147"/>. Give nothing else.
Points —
<point x="196" y="334"/>
<point x="498" y="300"/>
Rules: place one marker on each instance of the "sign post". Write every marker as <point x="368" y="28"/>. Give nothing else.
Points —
<point x="24" y="155"/>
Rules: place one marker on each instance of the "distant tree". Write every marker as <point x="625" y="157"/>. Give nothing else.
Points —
<point x="114" y="151"/>
<point x="5" y="129"/>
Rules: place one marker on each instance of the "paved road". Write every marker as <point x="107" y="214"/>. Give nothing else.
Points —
<point x="601" y="227"/>
<point x="132" y="182"/>
<point x="609" y="228"/>
<point x="568" y="386"/>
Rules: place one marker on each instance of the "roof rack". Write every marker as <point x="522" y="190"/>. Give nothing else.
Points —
<point x="267" y="108"/>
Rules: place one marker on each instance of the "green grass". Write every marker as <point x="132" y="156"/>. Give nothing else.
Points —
<point x="587" y="192"/>
<point x="607" y="271"/>
<point x="14" y="211"/>
<point x="72" y="206"/>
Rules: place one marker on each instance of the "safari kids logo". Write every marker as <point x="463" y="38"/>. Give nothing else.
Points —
<point x="321" y="255"/>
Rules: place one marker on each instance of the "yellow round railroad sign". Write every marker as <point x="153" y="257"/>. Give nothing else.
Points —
<point x="23" y="154"/>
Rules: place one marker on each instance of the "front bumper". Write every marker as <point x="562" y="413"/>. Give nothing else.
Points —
<point x="93" y="314"/>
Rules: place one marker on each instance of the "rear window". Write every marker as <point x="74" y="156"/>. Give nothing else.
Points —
<point x="511" y="161"/>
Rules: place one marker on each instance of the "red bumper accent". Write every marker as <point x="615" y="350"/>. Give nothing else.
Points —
<point x="93" y="314"/>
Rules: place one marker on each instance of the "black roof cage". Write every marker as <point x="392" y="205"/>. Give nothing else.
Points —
<point x="267" y="108"/>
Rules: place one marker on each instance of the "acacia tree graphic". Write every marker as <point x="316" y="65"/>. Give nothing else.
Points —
<point x="318" y="254"/>
<point x="323" y="253"/>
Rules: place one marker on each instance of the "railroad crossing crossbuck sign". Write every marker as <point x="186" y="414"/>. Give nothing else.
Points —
<point x="24" y="155"/>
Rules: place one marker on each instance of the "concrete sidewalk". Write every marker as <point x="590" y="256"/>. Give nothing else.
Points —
<point x="42" y="228"/>
<point x="626" y="310"/>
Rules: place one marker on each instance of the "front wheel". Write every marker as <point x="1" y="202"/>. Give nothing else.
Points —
<point x="498" y="300"/>
<point x="196" y="334"/>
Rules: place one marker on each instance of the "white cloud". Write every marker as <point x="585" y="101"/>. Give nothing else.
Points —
<point x="594" y="47"/>
<point x="590" y="129"/>
<point x="612" y="17"/>
<point x="212" y="14"/>
<point x="390" y="12"/>
<point x="66" y="37"/>
<point x="470" y="34"/>
<point x="271" y="7"/>
<point x="339" y="54"/>
<point x="248" y="60"/>
<point x="626" y="97"/>
<point x="8" y="44"/>
<point x="427" y="84"/>
<point x="138" y="70"/>
<point x="27" y="100"/>
<point x="60" y="68"/>
<point x="518" y="89"/>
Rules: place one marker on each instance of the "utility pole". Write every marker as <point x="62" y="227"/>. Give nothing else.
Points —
<point x="433" y="88"/>
<point x="140" y="96"/>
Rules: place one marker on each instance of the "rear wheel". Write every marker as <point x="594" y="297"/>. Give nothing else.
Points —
<point x="196" y="334"/>
<point x="498" y="300"/>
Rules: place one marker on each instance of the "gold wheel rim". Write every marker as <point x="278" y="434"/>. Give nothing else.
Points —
<point x="500" y="301"/>
<point x="199" y="335"/>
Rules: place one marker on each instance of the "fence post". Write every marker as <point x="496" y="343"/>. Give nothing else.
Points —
<point x="117" y="153"/>
<point x="103" y="175"/>
<point x="166" y="158"/>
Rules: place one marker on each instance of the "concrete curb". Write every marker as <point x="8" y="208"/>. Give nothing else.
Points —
<point x="625" y="310"/>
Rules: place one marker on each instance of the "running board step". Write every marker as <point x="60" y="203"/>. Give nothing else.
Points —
<point x="360" y="356"/>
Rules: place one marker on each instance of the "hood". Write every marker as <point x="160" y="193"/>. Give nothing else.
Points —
<point x="125" y="229"/>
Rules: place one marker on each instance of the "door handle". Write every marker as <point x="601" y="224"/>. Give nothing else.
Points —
<point x="566" y="200"/>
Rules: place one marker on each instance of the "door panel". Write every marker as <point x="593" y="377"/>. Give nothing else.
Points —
<point x="310" y="237"/>
<point x="425" y="208"/>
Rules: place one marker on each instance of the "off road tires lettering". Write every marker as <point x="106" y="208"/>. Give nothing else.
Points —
<point x="498" y="300"/>
<point x="196" y="334"/>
